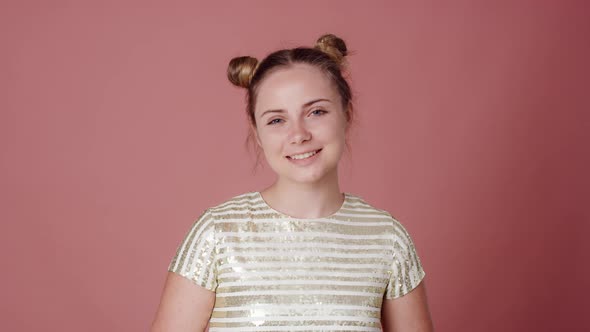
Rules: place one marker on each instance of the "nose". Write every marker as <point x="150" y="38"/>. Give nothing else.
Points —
<point x="298" y="133"/>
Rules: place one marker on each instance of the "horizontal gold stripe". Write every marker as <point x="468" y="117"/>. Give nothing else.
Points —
<point x="352" y="253"/>
<point x="290" y="227"/>
<point x="307" y="323"/>
<point x="311" y="240"/>
<point x="270" y="279"/>
<point x="368" y="301"/>
<point x="244" y="208"/>
<point x="301" y="260"/>
<point x="240" y="216"/>
<point x="245" y="197"/>
<point x="246" y="215"/>
<point x="376" y="290"/>
<point x="259" y="209"/>
<point x="309" y="313"/>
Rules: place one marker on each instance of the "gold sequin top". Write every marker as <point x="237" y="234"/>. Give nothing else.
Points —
<point x="273" y="272"/>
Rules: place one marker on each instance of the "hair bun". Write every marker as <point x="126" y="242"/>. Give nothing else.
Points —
<point x="241" y="69"/>
<point x="334" y="46"/>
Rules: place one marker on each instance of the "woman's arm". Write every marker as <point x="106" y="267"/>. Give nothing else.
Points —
<point x="408" y="313"/>
<point x="184" y="306"/>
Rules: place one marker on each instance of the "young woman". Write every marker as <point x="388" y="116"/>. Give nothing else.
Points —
<point x="299" y="255"/>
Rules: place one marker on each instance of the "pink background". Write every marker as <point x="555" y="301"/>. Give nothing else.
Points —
<point x="118" y="127"/>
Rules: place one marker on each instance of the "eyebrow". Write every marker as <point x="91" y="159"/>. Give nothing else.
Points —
<point x="309" y="103"/>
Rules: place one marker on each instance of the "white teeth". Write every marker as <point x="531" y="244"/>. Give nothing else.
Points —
<point x="304" y="155"/>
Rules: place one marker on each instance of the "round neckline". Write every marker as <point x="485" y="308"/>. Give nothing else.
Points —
<point x="338" y="212"/>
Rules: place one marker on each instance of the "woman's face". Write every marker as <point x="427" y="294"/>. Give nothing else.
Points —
<point x="300" y="124"/>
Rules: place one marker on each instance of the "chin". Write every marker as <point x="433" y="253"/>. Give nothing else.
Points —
<point x="305" y="179"/>
<point x="309" y="177"/>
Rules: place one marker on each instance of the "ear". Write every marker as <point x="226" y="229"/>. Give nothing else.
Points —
<point x="347" y="118"/>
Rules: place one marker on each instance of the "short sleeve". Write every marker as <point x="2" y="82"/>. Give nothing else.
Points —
<point x="407" y="271"/>
<point x="195" y="257"/>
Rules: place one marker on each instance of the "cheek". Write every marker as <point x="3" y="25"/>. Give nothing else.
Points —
<point x="334" y="132"/>
<point x="268" y="141"/>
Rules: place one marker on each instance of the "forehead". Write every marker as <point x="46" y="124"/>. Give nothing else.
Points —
<point x="297" y="84"/>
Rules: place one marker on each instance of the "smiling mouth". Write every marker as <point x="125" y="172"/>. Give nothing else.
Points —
<point x="303" y="155"/>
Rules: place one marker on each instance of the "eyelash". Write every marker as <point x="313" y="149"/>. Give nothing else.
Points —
<point x="272" y="122"/>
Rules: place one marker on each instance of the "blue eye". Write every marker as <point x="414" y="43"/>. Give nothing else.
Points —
<point x="273" y="121"/>
<point x="318" y="112"/>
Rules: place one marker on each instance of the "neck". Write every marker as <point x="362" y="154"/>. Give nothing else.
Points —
<point x="305" y="200"/>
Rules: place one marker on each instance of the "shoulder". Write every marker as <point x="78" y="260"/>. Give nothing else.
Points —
<point x="236" y="203"/>
<point x="356" y="204"/>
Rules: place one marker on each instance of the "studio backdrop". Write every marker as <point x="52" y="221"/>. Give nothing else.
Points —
<point x="118" y="127"/>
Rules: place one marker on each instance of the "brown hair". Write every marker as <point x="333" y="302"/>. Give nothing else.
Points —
<point x="328" y="55"/>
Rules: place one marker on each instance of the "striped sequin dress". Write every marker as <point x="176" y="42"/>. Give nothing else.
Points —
<point x="273" y="272"/>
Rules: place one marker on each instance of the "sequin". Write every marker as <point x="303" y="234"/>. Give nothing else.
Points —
<point x="272" y="272"/>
